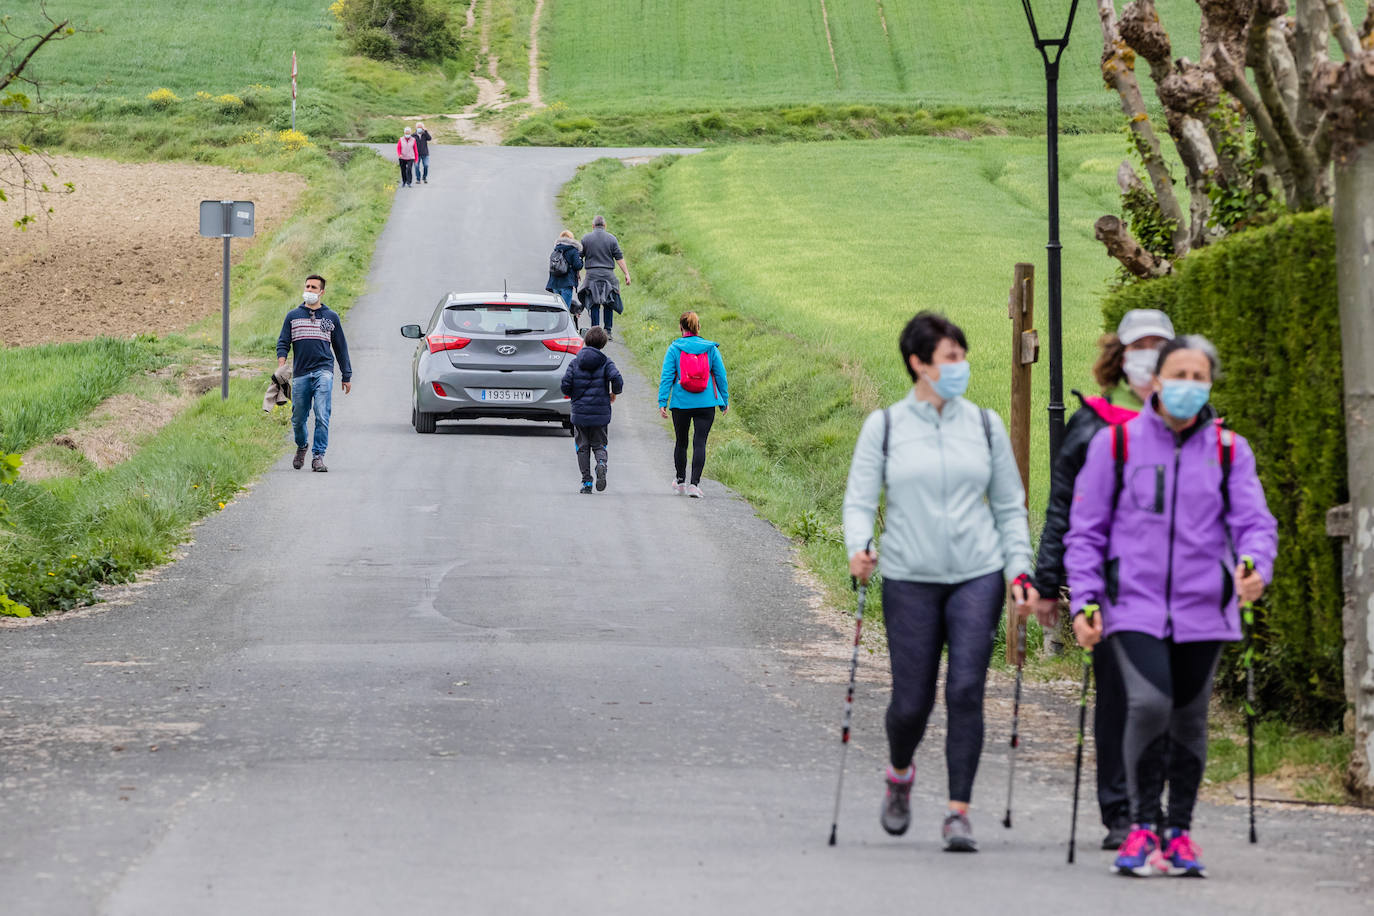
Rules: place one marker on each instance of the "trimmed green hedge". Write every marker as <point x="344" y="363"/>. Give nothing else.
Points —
<point x="1267" y="299"/>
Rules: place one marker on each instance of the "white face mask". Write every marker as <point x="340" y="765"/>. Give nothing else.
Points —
<point x="311" y="297"/>
<point x="1139" y="367"/>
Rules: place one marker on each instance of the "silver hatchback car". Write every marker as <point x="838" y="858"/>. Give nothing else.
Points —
<point x="492" y="355"/>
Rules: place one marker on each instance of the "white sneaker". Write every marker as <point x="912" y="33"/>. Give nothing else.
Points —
<point x="694" y="491"/>
<point x="679" y="487"/>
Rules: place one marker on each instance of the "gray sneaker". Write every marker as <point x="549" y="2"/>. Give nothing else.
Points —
<point x="896" y="814"/>
<point x="958" y="833"/>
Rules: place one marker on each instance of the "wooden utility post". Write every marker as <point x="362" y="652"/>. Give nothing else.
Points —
<point x="1025" y="351"/>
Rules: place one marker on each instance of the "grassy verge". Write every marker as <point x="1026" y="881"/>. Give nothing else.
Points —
<point x="564" y="124"/>
<point x="1308" y="765"/>
<point x="44" y="390"/>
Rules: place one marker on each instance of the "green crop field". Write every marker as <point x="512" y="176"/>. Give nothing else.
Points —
<point x="185" y="45"/>
<point x="841" y="243"/>
<point x="624" y="54"/>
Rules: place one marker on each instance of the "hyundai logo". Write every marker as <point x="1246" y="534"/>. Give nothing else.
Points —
<point x="506" y="350"/>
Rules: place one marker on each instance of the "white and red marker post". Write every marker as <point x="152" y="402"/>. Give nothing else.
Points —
<point x="293" y="90"/>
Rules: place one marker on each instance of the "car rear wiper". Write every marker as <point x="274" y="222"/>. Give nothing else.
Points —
<point x="519" y="330"/>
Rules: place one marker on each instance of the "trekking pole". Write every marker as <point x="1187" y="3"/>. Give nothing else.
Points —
<point x="849" y="695"/>
<point x="1088" y="609"/>
<point x="1247" y="616"/>
<point x="1015" y="715"/>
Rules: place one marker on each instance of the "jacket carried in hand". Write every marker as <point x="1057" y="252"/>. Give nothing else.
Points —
<point x="1096" y="413"/>
<point x="1162" y="562"/>
<point x="956" y="509"/>
<point x="589" y="382"/>
<point x="670" y="390"/>
<point x="572" y="253"/>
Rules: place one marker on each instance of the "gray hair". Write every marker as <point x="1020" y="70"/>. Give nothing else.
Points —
<point x="1191" y="342"/>
<point x="598" y="222"/>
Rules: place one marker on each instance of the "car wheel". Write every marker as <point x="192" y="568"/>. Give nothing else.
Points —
<point x="424" y="422"/>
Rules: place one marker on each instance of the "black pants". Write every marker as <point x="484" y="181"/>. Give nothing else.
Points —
<point x="407" y="170"/>
<point x="590" y="441"/>
<point x="921" y="618"/>
<point x="1167" y="685"/>
<point x="1109" y="727"/>
<point x="699" y="420"/>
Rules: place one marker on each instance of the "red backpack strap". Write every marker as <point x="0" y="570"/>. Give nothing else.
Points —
<point x="1226" y="455"/>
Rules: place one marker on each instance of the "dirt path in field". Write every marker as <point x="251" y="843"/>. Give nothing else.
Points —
<point x="492" y="93"/>
<point x="122" y="254"/>
<point x="532" y="96"/>
<point x="830" y="42"/>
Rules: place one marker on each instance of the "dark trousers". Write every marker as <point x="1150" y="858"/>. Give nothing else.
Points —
<point x="1109" y="727"/>
<point x="609" y="316"/>
<point x="407" y="170"/>
<point x="694" y="423"/>
<point x="590" y="440"/>
<point x="1167" y="685"/>
<point x="921" y="619"/>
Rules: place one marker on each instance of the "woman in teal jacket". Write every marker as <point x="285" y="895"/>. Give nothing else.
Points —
<point x="956" y="533"/>
<point x="693" y="385"/>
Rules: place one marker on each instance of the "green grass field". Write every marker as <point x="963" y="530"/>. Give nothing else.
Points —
<point x="662" y="54"/>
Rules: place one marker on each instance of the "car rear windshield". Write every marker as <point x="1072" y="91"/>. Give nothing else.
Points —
<point x="498" y="319"/>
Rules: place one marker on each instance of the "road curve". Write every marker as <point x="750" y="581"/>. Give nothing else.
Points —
<point x="438" y="680"/>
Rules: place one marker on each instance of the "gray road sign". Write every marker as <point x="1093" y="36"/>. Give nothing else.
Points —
<point x="240" y="218"/>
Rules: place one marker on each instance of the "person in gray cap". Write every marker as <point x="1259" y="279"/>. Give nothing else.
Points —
<point x="1124" y="371"/>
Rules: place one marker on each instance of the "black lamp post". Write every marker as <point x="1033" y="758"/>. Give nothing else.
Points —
<point x="1043" y="45"/>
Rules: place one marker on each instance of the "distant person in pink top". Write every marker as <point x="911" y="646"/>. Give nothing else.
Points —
<point x="406" y="154"/>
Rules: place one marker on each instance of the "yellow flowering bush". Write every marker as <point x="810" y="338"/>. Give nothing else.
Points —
<point x="163" y="98"/>
<point x="292" y="140"/>
<point x="229" y="103"/>
<point x="204" y="96"/>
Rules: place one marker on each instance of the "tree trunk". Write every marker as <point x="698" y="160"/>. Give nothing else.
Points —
<point x="1353" y="213"/>
<point x="1311" y="38"/>
<point x="1309" y="190"/>
<point x="1112" y="232"/>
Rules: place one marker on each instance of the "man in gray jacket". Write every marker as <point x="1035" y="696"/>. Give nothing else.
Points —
<point x="601" y="255"/>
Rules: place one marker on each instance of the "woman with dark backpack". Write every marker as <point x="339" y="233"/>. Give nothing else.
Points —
<point x="1124" y="371"/>
<point x="565" y="262"/>
<point x="956" y="533"/>
<point x="693" y="383"/>
<point x="1169" y="527"/>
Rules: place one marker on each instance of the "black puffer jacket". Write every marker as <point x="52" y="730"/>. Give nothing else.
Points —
<point x="589" y="383"/>
<point x="1085" y="423"/>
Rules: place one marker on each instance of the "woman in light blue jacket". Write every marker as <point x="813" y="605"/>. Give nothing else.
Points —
<point x="693" y="382"/>
<point x="956" y="532"/>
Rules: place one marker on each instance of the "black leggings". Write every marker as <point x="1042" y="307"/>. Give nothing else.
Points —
<point x="1109" y="725"/>
<point x="920" y="619"/>
<point x="683" y="419"/>
<point x="1167" y="685"/>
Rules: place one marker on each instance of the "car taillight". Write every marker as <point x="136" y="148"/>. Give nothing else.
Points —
<point x="565" y="344"/>
<point x="439" y="342"/>
<point x="439" y="390"/>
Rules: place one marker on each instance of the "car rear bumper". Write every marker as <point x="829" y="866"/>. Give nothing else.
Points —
<point x="463" y="399"/>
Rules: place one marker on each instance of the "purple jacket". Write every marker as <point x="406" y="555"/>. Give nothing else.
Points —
<point x="1162" y="565"/>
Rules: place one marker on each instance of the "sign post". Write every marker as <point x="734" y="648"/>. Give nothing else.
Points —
<point x="293" y="90"/>
<point x="226" y="219"/>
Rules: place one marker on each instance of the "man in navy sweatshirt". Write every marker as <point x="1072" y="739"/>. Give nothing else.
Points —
<point x="311" y="329"/>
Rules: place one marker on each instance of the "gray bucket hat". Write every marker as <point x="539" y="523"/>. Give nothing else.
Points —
<point x="1138" y="323"/>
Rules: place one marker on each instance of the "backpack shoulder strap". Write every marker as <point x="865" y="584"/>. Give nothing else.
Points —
<point x="887" y="436"/>
<point x="1121" y="446"/>
<point x="1226" y="453"/>
<point x="987" y="428"/>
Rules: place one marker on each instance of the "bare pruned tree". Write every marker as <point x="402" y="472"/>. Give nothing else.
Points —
<point x="1259" y="66"/>
<point x="24" y="170"/>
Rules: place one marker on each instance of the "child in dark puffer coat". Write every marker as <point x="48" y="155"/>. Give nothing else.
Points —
<point x="592" y="382"/>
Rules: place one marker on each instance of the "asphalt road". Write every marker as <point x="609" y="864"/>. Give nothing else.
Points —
<point x="438" y="680"/>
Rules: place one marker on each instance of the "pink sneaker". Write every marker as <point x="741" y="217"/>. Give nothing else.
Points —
<point x="1139" y="856"/>
<point x="1182" y="857"/>
<point x="679" y="487"/>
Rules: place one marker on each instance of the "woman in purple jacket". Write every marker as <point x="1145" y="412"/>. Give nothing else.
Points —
<point x="1153" y="549"/>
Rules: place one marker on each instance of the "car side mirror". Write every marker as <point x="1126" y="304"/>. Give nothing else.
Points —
<point x="413" y="331"/>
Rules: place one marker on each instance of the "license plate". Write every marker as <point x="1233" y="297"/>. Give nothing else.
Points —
<point x="507" y="394"/>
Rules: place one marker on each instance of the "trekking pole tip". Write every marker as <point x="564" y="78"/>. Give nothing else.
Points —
<point x="832" y="835"/>
<point x="1006" y="821"/>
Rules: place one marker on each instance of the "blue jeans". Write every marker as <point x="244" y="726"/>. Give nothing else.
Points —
<point x="566" y="294"/>
<point x="596" y="316"/>
<point x="317" y="388"/>
<point x="422" y="168"/>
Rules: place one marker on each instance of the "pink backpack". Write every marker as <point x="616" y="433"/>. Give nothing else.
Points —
<point x="693" y="371"/>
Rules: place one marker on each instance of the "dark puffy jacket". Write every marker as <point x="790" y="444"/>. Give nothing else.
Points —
<point x="572" y="253"/>
<point x="589" y="383"/>
<point x="1095" y="414"/>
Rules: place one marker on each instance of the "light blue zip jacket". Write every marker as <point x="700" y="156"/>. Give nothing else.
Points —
<point x="956" y="509"/>
<point x="717" y="394"/>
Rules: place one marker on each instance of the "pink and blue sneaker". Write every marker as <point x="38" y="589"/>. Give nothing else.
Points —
<point x="1182" y="857"/>
<point x="1139" y="856"/>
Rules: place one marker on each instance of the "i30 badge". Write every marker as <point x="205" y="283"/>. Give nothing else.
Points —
<point x="506" y="350"/>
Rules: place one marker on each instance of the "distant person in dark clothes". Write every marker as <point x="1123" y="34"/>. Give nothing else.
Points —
<point x="423" y="139"/>
<point x="600" y="289"/>
<point x="693" y="382"/>
<point x="405" y="155"/>
<point x="592" y="382"/>
<point x="315" y="335"/>
<point x="569" y="251"/>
